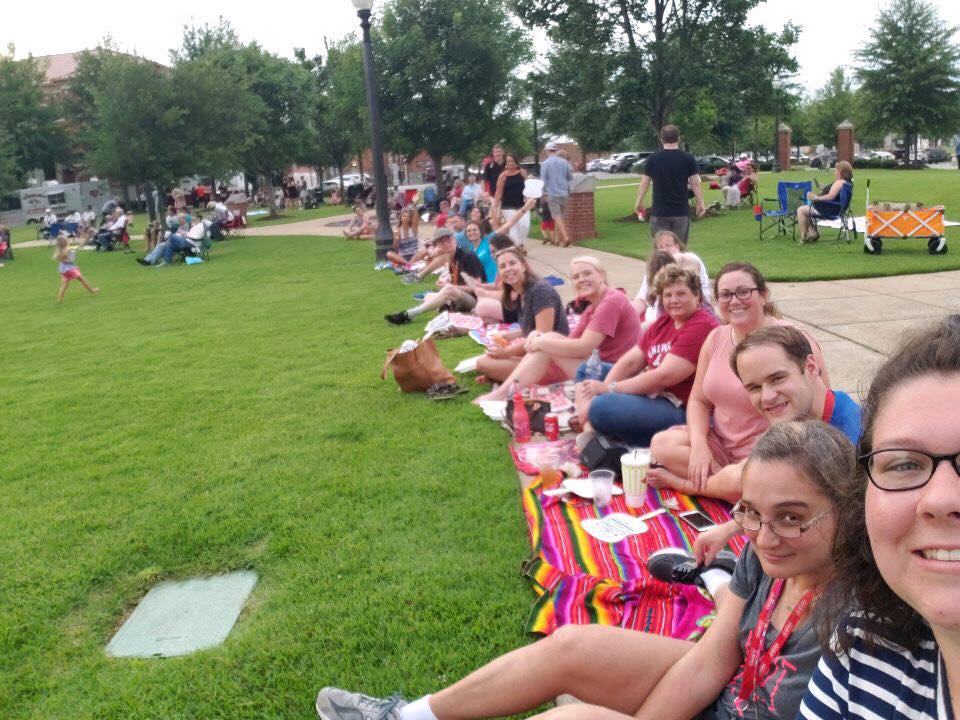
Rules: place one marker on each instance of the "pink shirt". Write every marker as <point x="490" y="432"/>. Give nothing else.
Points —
<point x="735" y="421"/>
<point x="615" y="319"/>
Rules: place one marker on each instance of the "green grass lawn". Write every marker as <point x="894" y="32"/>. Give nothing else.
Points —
<point x="733" y="236"/>
<point x="193" y="420"/>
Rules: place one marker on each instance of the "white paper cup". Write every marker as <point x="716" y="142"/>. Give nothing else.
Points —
<point x="633" y="469"/>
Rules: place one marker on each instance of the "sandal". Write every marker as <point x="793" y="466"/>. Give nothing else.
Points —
<point x="444" y="391"/>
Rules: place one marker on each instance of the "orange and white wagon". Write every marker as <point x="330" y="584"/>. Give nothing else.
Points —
<point x="904" y="220"/>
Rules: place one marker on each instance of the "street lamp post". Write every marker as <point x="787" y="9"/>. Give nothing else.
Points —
<point x="384" y="236"/>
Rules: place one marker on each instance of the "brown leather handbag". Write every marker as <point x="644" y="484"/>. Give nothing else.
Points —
<point x="417" y="369"/>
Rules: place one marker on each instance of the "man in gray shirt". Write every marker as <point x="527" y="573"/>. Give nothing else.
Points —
<point x="557" y="176"/>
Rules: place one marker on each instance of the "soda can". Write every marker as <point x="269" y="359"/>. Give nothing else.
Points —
<point x="551" y="426"/>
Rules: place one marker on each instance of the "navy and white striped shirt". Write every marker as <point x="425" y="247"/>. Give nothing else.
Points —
<point x="884" y="682"/>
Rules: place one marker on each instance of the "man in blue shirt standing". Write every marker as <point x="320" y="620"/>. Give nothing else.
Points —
<point x="557" y="176"/>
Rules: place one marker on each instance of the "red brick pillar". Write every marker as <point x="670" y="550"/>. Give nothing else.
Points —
<point x="784" y="136"/>
<point x="845" y="141"/>
<point x="580" y="217"/>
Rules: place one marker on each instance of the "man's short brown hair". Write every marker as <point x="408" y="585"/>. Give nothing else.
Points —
<point x="793" y="342"/>
<point x="670" y="134"/>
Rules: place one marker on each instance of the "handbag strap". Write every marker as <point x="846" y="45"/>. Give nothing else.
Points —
<point x="391" y="354"/>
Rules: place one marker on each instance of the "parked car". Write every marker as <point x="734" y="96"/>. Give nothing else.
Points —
<point x="934" y="155"/>
<point x="882" y="155"/>
<point x="824" y="160"/>
<point x="608" y="164"/>
<point x="711" y="163"/>
<point x="595" y="165"/>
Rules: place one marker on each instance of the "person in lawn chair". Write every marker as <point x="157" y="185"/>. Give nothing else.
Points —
<point x="221" y="216"/>
<point x="112" y="230"/>
<point x="826" y="204"/>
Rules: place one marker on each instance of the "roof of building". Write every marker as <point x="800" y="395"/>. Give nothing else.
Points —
<point x="62" y="66"/>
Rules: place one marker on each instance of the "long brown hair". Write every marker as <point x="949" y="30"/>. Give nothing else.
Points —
<point x="858" y="584"/>
<point x="509" y="300"/>
<point x="768" y="308"/>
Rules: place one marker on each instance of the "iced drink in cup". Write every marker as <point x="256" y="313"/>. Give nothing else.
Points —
<point x="633" y="468"/>
<point x="602" y="482"/>
<point x="548" y="463"/>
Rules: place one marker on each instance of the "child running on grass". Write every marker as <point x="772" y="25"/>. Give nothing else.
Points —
<point x="67" y="256"/>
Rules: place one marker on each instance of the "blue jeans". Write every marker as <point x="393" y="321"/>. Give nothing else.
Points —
<point x="581" y="375"/>
<point x="465" y="207"/>
<point x="175" y="243"/>
<point x="635" y="419"/>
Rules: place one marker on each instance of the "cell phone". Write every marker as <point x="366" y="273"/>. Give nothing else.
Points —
<point x="697" y="520"/>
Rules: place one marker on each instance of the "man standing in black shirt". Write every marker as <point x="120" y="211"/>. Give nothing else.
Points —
<point x="454" y="294"/>
<point x="491" y="173"/>
<point x="674" y="175"/>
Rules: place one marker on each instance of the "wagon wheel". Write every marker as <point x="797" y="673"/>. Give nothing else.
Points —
<point x="937" y="246"/>
<point x="872" y="245"/>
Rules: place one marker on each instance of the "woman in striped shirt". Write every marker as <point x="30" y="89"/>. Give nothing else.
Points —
<point x="897" y="654"/>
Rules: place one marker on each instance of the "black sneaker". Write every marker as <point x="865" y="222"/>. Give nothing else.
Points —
<point x="142" y="261"/>
<point x="337" y="704"/>
<point x="400" y="318"/>
<point x="725" y="560"/>
<point x="673" y="565"/>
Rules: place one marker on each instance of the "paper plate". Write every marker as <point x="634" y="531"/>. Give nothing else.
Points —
<point x="579" y="486"/>
<point x="533" y="188"/>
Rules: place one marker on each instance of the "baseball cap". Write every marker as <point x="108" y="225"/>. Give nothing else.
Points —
<point x="550" y="146"/>
<point x="442" y="233"/>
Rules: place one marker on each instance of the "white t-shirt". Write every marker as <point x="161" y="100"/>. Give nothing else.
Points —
<point x="119" y="223"/>
<point x="88" y="217"/>
<point x="688" y="258"/>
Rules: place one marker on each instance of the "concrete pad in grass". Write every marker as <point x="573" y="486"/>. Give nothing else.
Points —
<point x="178" y="618"/>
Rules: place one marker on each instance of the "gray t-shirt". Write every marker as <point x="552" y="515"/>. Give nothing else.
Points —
<point x="778" y="695"/>
<point x="541" y="296"/>
<point x="556" y="175"/>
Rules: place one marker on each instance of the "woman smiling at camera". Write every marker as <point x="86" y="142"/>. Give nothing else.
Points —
<point x="646" y="391"/>
<point x="539" y="306"/>
<point x="894" y="605"/>
<point x="609" y="325"/>
<point x="754" y="661"/>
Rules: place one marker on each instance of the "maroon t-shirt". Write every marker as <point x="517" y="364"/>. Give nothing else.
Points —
<point x="615" y="318"/>
<point x="663" y="338"/>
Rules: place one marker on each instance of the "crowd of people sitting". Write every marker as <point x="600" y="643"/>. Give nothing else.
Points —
<point x="843" y="603"/>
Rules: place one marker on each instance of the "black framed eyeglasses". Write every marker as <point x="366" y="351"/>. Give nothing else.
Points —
<point x="741" y="293"/>
<point x="899" y="469"/>
<point x="749" y="520"/>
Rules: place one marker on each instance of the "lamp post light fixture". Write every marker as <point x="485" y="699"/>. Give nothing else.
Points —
<point x="384" y="235"/>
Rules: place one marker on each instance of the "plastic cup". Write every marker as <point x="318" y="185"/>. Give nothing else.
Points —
<point x="602" y="482"/>
<point x="633" y="468"/>
<point x="548" y="463"/>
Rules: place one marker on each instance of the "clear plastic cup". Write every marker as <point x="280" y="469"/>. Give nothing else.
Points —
<point x="602" y="483"/>
<point x="548" y="463"/>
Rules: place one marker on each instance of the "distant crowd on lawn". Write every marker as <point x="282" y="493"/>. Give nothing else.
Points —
<point x="844" y="602"/>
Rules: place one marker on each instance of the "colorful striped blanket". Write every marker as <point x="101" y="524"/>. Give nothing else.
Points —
<point x="581" y="580"/>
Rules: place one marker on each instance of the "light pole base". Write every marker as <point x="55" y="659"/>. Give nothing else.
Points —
<point x="384" y="241"/>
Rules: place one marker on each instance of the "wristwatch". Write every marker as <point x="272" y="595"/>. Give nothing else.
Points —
<point x="612" y="385"/>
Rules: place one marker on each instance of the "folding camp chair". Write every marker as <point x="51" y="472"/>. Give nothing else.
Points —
<point x="838" y="209"/>
<point x="790" y="196"/>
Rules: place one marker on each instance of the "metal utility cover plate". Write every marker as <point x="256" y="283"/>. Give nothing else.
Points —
<point x="177" y="618"/>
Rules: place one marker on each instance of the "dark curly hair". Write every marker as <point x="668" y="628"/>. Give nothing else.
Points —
<point x="857" y="584"/>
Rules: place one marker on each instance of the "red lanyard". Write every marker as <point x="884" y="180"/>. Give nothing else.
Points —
<point x="757" y="663"/>
<point x="828" y="402"/>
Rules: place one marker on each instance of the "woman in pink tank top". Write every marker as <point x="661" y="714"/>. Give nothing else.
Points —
<point x="722" y="424"/>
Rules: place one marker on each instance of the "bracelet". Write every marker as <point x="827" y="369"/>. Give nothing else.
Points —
<point x="612" y="385"/>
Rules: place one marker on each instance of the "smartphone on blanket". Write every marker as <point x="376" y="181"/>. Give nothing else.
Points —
<point x="697" y="520"/>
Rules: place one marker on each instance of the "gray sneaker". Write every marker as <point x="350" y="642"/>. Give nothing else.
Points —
<point x="337" y="704"/>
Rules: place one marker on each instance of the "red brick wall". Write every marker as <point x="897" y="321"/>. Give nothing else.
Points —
<point x="580" y="217"/>
<point x="783" y="147"/>
<point x="845" y="142"/>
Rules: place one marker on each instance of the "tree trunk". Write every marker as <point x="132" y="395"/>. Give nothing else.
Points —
<point x="271" y="196"/>
<point x="438" y="171"/>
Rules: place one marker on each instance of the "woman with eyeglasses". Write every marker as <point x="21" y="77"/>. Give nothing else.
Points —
<point x="754" y="661"/>
<point x="704" y="457"/>
<point x="538" y="306"/>
<point x="891" y="621"/>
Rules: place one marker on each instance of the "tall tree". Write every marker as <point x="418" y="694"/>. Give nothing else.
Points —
<point x="832" y="104"/>
<point x="662" y="52"/>
<point x="28" y="120"/>
<point x="447" y="74"/>
<point x="910" y="73"/>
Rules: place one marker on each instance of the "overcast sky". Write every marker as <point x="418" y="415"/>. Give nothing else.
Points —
<point x="69" y="26"/>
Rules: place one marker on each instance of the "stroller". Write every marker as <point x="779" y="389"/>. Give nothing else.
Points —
<point x="362" y="191"/>
<point x="312" y="198"/>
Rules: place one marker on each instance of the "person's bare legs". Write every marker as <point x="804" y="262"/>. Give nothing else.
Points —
<point x="530" y="369"/>
<point x="671" y="449"/>
<point x="437" y="300"/>
<point x="581" y="406"/>
<point x="597" y="664"/>
<point x="395" y="258"/>
<point x="497" y="369"/>
<point x="805" y="223"/>
<point x="83" y="281"/>
<point x="489" y="309"/>
<point x="561" y="228"/>
<point x="63" y="288"/>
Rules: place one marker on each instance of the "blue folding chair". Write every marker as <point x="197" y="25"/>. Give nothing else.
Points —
<point x="790" y="196"/>
<point x="838" y="209"/>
